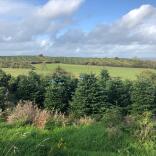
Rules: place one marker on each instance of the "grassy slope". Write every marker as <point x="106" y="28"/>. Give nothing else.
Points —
<point x="125" y="73"/>
<point x="85" y="141"/>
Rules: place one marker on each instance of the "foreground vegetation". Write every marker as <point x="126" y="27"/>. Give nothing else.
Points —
<point x="64" y="115"/>
<point x="93" y="140"/>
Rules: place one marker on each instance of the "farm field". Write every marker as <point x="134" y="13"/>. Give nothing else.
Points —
<point x="76" y="70"/>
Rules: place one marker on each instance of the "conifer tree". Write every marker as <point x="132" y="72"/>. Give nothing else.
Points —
<point x="143" y="95"/>
<point x="60" y="90"/>
<point x="89" y="98"/>
<point x="119" y="93"/>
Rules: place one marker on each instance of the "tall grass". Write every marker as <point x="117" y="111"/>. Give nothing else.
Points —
<point x="107" y="137"/>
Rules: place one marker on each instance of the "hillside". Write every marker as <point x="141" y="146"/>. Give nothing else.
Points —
<point x="26" y="61"/>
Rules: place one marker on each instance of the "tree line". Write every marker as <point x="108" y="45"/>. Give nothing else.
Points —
<point x="28" y="61"/>
<point x="88" y="95"/>
<point x="13" y="64"/>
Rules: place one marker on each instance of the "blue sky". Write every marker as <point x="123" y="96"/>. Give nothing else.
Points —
<point x="94" y="12"/>
<point x="86" y="28"/>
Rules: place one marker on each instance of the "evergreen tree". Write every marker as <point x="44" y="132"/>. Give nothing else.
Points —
<point x="4" y="79"/>
<point x="104" y="75"/>
<point x="29" y="87"/>
<point x="89" y="98"/>
<point x="2" y="97"/>
<point x="119" y="93"/>
<point x="60" y="90"/>
<point x="4" y="85"/>
<point x="143" y="95"/>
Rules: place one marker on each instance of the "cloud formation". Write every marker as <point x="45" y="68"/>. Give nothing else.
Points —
<point x="29" y="29"/>
<point x="132" y="35"/>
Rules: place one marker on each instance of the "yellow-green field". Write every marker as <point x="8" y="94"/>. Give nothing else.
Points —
<point x="125" y="73"/>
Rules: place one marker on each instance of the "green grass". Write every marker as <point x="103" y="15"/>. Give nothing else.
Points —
<point x="70" y="141"/>
<point x="76" y="70"/>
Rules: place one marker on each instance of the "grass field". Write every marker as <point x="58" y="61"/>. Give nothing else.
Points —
<point x="125" y="73"/>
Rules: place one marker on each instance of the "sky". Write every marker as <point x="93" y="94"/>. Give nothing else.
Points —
<point x="78" y="28"/>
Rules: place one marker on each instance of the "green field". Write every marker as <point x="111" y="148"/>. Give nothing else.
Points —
<point x="123" y="72"/>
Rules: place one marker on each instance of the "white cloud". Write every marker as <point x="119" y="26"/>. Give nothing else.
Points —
<point x="137" y="16"/>
<point x="29" y="29"/>
<point x="134" y="34"/>
<point x="55" y="8"/>
<point x="24" y="21"/>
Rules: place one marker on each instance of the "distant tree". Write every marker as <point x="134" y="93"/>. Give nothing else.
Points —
<point x="88" y="98"/>
<point x="60" y="90"/>
<point x="41" y="55"/>
<point x="116" y="58"/>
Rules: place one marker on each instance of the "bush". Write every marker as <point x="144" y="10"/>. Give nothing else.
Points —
<point x="144" y="127"/>
<point x="24" y="113"/>
<point x="28" y="113"/>
<point x="112" y="117"/>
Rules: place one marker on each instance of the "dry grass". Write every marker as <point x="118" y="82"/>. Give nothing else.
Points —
<point x="42" y="118"/>
<point x="27" y="113"/>
<point x="57" y="119"/>
<point x="85" y="121"/>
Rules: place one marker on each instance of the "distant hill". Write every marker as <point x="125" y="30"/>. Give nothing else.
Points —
<point x="27" y="61"/>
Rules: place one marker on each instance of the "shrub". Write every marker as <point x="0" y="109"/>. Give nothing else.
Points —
<point x="27" y="113"/>
<point x="144" y="127"/>
<point x="112" y="117"/>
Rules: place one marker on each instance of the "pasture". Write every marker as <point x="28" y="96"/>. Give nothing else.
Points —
<point x="76" y="70"/>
